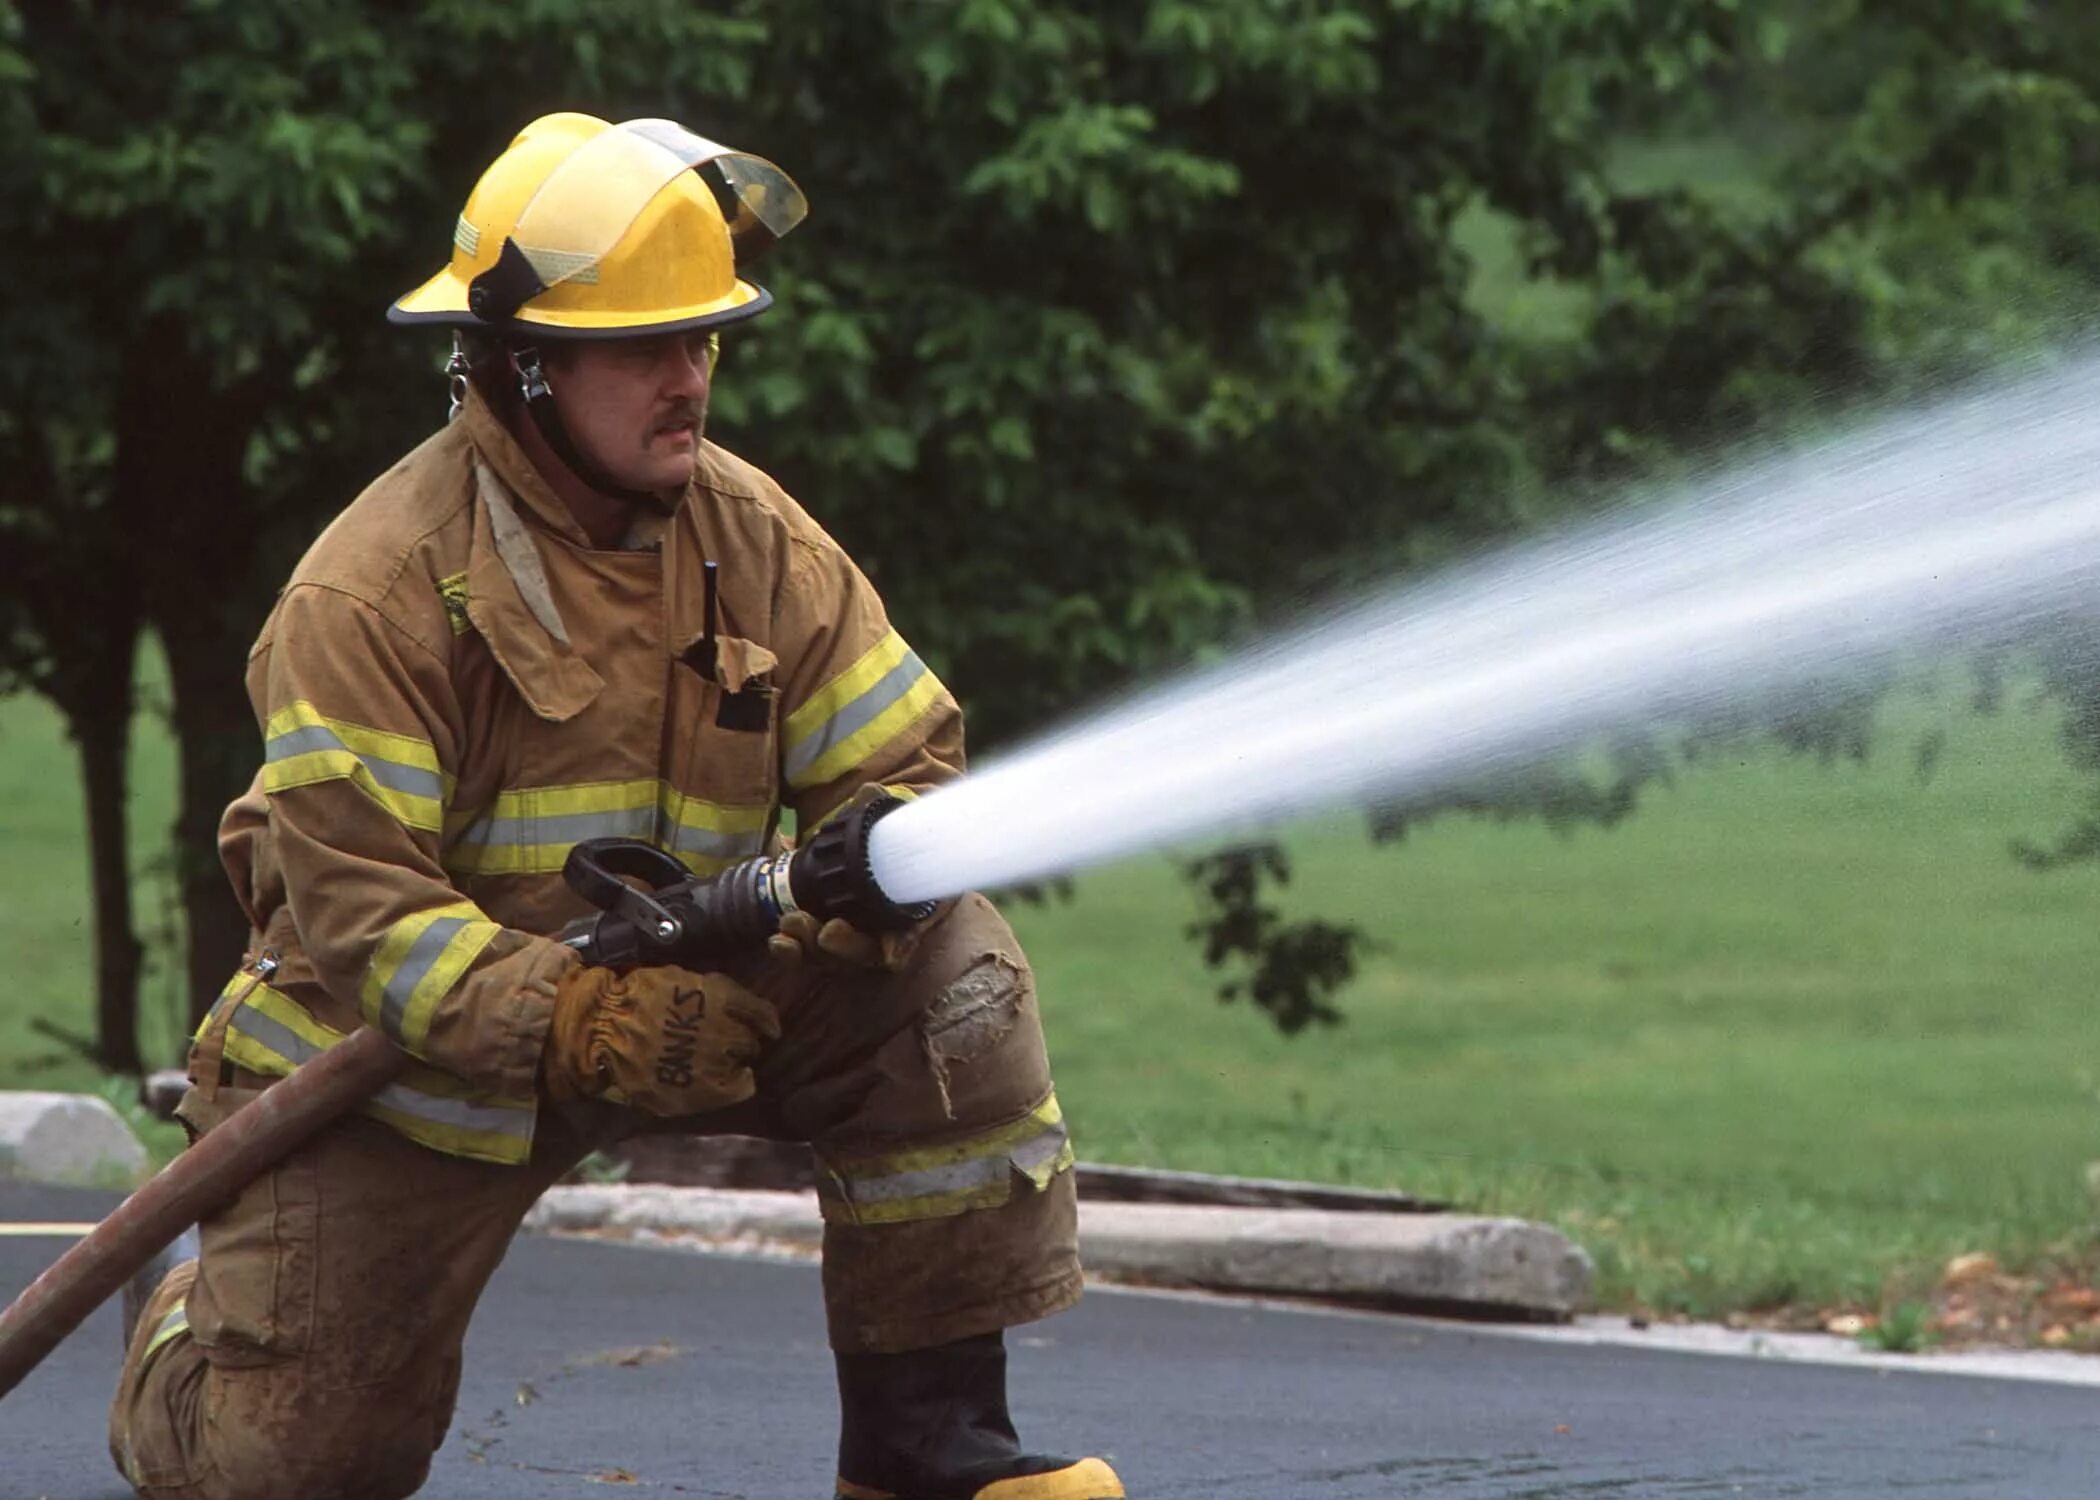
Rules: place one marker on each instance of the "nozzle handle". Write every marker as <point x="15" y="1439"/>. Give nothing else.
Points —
<point x="698" y="923"/>
<point x="593" y="870"/>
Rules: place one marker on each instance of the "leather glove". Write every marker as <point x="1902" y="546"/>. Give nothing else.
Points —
<point x="801" y="938"/>
<point x="664" y="1040"/>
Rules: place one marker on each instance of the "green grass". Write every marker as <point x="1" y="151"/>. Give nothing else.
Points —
<point x="1792" y="1034"/>
<point x="1788" y="1033"/>
<point x="46" y="924"/>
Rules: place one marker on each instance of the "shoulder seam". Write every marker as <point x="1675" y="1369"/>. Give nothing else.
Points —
<point x="392" y="624"/>
<point x="461" y="502"/>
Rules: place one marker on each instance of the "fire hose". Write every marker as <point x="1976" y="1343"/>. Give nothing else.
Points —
<point x="672" y="918"/>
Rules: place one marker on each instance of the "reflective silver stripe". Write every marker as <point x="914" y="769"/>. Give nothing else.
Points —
<point x="308" y="738"/>
<point x="569" y="829"/>
<point x="492" y="1119"/>
<point x="558" y="828"/>
<point x="980" y="1172"/>
<point x="423" y="954"/>
<point x="275" y="1035"/>
<point x="884" y="691"/>
<point x="686" y="839"/>
<point x="1030" y="1156"/>
<point x="461" y="1114"/>
<point x="1035" y="1157"/>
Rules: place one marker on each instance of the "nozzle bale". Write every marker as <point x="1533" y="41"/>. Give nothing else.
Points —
<point x="699" y="923"/>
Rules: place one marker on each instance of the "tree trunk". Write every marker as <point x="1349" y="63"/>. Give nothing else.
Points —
<point x="100" y="719"/>
<point x="219" y="755"/>
<point x="181" y="486"/>
<point x="76" y="608"/>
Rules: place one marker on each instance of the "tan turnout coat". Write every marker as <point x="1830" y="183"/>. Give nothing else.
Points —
<point x="456" y="687"/>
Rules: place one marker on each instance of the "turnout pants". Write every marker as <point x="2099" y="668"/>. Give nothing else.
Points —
<point x="314" y="1349"/>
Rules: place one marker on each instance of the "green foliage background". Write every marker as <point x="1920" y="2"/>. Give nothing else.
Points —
<point x="1117" y="328"/>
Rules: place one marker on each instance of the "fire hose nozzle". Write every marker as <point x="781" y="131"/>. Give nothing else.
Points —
<point x="679" y="918"/>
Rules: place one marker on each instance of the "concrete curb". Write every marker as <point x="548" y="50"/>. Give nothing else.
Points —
<point x="1447" y="1262"/>
<point x="73" y="1140"/>
<point x="2050" y="1366"/>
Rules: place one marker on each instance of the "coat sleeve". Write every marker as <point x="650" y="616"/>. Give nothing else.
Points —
<point x="858" y="707"/>
<point x="361" y="736"/>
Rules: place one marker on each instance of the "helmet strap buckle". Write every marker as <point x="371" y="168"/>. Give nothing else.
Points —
<point x="456" y="370"/>
<point x="532" y="378"/>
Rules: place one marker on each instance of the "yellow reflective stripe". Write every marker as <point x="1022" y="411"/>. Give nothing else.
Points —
<point x="416" y="965"/>
<point x="394" y="950"/>
<point x="988" y="1184"/>
<point x="991" y="1143"/>
<point x="272" y="1034"/>
<point x="175" y="1322"/>
<point x="257" y="1057"/>
<point x="879" y="731"/>
<point x="424" y="814"/>
<point x="834" y="695"/>
<point x="402" y="749"/>
<point x="452" y="962"/>
<point x="583" y="797"/>
<point x="941" y="1181"/>
<point x="707" y="836"/>
<point x="301" y="747"/>
<point x="530" y="830"/>
<point x="856" y="713"/>
<point x="276" y="1005"/>
<point x="688" y="811"/>
<point x="505" y="1148"/>
<point x="994" y="1192"/>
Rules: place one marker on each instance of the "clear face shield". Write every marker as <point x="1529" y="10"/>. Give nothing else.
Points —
<point x="587" y="205"/>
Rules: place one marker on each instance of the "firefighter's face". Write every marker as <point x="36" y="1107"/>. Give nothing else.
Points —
<point x="636" y="407"/>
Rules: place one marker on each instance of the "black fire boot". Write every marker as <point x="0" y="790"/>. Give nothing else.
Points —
<point x="932" y="1424"/>
<point x="138" y="1291"/>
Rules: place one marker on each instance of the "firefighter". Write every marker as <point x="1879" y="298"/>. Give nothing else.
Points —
<point x="568" y="615"/>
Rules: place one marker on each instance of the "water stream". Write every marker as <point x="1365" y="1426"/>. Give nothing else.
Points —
<point x="1974" y="519"/>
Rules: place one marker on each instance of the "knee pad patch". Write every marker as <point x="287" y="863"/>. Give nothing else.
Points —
<point x="976" y="1009"/>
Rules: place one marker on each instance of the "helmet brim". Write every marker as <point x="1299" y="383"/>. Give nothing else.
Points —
<point x="442" y="302"/>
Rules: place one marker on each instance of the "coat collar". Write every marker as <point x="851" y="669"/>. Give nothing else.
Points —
<point x="508" y="599"/>
<point x="494" y="442"/>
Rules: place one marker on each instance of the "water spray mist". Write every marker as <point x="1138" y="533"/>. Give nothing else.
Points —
<point x="1974" y="520"/>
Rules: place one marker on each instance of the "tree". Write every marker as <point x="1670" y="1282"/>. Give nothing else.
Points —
<point x="204" y="240"/>
<point x="1115" y="327"/>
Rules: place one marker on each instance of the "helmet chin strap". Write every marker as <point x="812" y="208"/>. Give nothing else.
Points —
<point x="546" y="416"/>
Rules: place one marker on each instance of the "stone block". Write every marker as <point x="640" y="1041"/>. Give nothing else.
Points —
<point x="74" y="1139"/>
<point x="1429" y="1262"/>
<point x="729" y="1216"/>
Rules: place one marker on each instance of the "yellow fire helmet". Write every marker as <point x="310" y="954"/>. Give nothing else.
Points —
<point x="584" y="229"/>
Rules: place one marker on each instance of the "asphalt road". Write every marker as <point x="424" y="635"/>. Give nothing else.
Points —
<point x="695" y="1375"/>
